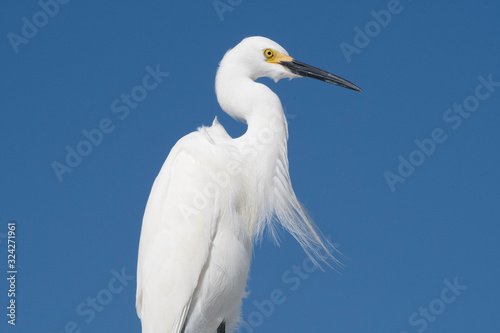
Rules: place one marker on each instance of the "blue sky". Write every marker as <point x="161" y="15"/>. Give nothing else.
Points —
<point x="404" y="176"/>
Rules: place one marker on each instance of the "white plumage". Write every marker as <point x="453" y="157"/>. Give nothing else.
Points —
<point x="215" y="195"/>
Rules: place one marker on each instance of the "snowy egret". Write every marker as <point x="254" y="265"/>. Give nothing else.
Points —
<point x="215" y="195"/>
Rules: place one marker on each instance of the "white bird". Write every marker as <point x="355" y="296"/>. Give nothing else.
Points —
<point x="215" y="195"/>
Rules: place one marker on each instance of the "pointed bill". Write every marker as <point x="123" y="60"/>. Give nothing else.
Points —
<point x="304" y="70"/>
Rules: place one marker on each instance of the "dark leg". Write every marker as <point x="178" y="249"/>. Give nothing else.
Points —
<point x="222" y="327"/>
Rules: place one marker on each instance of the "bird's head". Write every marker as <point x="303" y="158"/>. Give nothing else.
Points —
<point x="261" y="57"/>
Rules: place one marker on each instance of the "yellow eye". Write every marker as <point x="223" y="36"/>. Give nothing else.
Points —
<point x="269" y="53"/>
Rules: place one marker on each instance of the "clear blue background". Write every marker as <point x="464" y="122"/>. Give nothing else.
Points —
<point x="398" y="247"/>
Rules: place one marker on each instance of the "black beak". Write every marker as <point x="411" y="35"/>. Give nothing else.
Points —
<point x="299" y="68"/>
